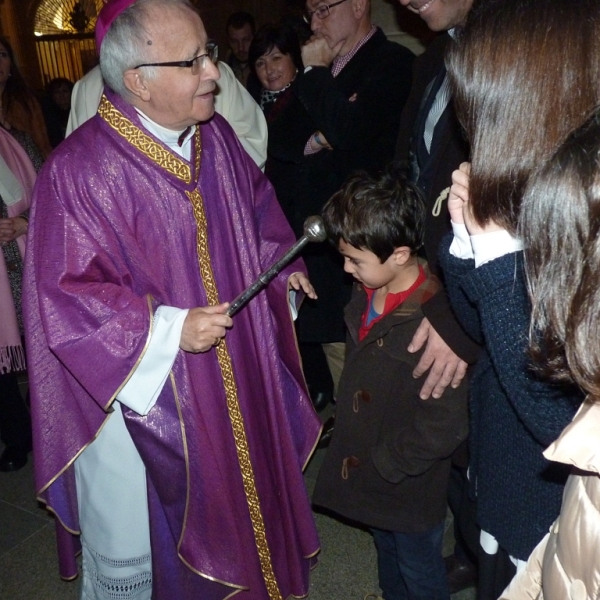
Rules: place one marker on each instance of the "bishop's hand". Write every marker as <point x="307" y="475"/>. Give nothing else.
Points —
<point x="204" y="328"/>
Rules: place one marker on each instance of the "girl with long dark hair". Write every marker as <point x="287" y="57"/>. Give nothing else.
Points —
<point x="523" y="73"/>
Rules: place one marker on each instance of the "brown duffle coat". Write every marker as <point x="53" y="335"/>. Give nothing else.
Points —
<point x="389" y="459"/>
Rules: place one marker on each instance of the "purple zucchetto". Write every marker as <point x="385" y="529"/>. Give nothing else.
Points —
<point x="110" y="11"/>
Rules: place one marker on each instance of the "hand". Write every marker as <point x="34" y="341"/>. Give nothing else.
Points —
<point x="459" y="206"/>
<point x="446" y="367"/>
<point x="315" y="146"/>
<point x="11" y="229"/>
<point x="459" y="192"/>
<point x="299" y="281"/>
<point x="317" y="53"/>
<point x="204" y="328"/>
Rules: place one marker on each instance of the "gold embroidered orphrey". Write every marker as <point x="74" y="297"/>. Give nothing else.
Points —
<point x="180" y="169"/>
<point x="144" y="143"/>
<point x="233" y="407"/>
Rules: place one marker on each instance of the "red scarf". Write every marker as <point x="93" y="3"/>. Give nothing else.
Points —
<point x="391" y="302"/>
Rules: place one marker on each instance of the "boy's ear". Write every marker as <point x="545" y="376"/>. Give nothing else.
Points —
<point x="401" y="255"/>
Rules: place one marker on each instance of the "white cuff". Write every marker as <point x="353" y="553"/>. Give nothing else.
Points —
<point x="141" y="392"/>
<point x="489" y="246"/>
<point x="292" y="301"/>
<point x="461" y="244"/>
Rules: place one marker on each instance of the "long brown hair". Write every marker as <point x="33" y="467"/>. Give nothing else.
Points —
<point x="524" y="73"/>
<point x="560" y="225"/>
<point x="16" y="90"/>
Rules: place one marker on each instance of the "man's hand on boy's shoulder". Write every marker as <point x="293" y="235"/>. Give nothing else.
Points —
<point x="445" y="367"/>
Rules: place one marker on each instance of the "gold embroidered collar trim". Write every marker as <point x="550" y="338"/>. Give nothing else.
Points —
<point x="165" y="159"/>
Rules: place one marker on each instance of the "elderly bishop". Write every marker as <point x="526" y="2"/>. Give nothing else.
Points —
<point x="169" y="438"/>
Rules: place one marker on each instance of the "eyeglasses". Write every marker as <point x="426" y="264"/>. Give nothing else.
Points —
<point x="322" y="12"/>
<point x="196" y="64"/>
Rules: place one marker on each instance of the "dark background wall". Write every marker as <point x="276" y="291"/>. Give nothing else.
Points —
<point x="17" y="24"/>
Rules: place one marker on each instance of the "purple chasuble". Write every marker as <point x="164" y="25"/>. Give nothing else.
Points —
<point x="119" y="226"/>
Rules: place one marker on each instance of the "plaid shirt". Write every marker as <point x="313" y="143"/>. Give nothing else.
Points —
<point x="339" y="62"/>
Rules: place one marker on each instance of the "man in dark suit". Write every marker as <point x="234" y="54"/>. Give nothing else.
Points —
<point x="431" y="141"/>
<point x="353" y="82"/>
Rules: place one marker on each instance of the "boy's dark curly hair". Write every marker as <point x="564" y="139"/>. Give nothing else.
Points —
<point x="376" y="213"/>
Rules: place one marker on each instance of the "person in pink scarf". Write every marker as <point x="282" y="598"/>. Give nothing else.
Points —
<point x="17" y="176"/>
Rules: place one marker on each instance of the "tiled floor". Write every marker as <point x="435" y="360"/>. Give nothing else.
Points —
<point x="28" y="566"/>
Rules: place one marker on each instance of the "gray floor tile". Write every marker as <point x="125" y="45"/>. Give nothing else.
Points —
<point x="347" y="568"/>
<point x="30" y="571"/>
<point x="468" y="594"/>
<point x="18" y="489"/>
<point x="16" y="525"/>
<point x="448" y="543"/>
<point x="28" y="564"/>
<point x="312" y="469"/>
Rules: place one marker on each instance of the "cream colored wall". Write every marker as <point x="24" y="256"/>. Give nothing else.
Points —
<point x="400" y="25"/>
<point x="384" y="14"/>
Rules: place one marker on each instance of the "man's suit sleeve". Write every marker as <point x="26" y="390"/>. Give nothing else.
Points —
<point x="441" y="317"/>
<point x="437" y="310"/>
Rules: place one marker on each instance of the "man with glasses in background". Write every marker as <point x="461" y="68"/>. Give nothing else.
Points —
<point x="353" y="82"/>
<point x="169" y="438"/>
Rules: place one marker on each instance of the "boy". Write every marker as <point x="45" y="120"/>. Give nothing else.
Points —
<point x="389" y="459"/>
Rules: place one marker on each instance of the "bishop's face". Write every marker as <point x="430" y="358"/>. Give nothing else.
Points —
<point x="440" y="15"/>
<point x="178" y="98"/>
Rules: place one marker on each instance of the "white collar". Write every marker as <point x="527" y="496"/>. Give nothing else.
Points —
<point x="169" y="136"/>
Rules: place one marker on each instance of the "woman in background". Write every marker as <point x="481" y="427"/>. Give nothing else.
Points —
<point x="19" y="108"/>
<point x="560" y="226"/>
<point x="276" y="61"/>
<point x="524" y="73"/>
<point x="17" y="176"/>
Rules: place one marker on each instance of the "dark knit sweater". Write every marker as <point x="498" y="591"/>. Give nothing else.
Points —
<point x="514" y="415"/>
